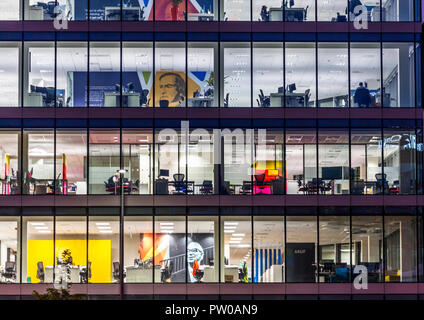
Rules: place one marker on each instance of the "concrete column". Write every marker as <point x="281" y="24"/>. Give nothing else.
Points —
<point x="407" y="249"/>
<point x="373" y="248"/>
<point x="405" y="78"/>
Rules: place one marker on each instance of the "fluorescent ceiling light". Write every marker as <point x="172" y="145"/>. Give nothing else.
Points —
<point x="238" y="235"/>
<point x="243" y="246"/>
<point x="102" y="223"/>
<point x="44" y="231"/>
<point x="230" y="227"/>
<point x="237" y="239"/>
<point x="41" y="228"/>
<point x="37" y="223"/>
<point x="230" y="223"/>
<point x="105" y="231"/>
<point x="166" y="223"/>
<point x="228" y="231"/>
<point x="103" y="228"/>
<point x="235" y="242"/>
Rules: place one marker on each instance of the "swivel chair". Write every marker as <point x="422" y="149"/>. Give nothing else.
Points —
<point x="260" y="182"/>
<point x="115" y="273"/>
<point x="206" y="187"/>
<point x="167" y="271"/>
<point x="246" y="188"/>
<point x="381" y="184"/>
<point x="9" y="272"/>
<point x="85" y="273"/>
<point x="180" y="185"/>
<point x="40" y="271"/>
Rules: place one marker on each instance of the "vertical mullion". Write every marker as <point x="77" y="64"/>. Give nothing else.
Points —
<point x="349" y="80"/>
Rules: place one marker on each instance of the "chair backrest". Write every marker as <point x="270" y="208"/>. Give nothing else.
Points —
<point x="380" y="176"/>
<point x="115" y="267"/>
<point x="260" y="178"/>
<point x="10" y="266"/>
<point x="178" y="177"/>
<point x="207" y="183"/>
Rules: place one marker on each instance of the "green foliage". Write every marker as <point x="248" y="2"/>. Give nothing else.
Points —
<point x="210" y="81"/>
<point x="67" y="256"/>
<point x="55" y="294"/>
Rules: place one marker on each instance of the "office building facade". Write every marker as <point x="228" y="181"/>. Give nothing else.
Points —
<point x="169" y="149"/>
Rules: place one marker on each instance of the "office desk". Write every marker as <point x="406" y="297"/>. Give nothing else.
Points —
<point x="142" y="274"/>
<point x="114" y="13"/>
<point x="60" y="271"/>
<point x="208" y="274"/>
<point x="34" y="99"/>
<point x="112" y="99"/>
<point x="231" y="274"/>
<point x="291" y="14"/>
<point x="199" y="16"/>
<point x="292" y="99"/>
<point x="200" y="102"/>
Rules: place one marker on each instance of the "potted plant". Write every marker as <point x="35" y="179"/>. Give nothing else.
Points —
<point x="174" y="9"/>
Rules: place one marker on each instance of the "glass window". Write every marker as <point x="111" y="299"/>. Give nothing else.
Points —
<point x="109" y="10"/>
<point x="10" y="10"/>
<point x="37" y="250"/>
<point x="398" y="75"/>
<point x="236" y="75"/>
<point x="268" y="74"/>
<point x="268" y="243"/>
<point x="71" y="74"/>
<point x="137" y="71"/>
<point x="238" y="160"/>
<point x="10" y="70"/>
<point x="138" y="250"/>
<point x="105" y="77"/>
<point x="365" y="10"/>
<point x="71" y="162"/>
<point x="170" y="74"/>
<point x="38" y="162"/>
<point x="367" y="245"/>
<point x="137" y="148"/>
<point x="301" y="249"/>
<point x="202" y="249"/>
<point x="54" y="10"/>
<point x="104" y="162"/>
<point x="397" y="10"/>
<point x="300" y="75"/>
<point x="39" y="70"/>
<point x="200" y="162"/>
<point x="334" y="249"/>
<point x="202" y="10"/>
<point x="235" y="10"/>
<point x="203" y="74"/>
<point x="10" y="155"/>
<point x="333" y="10"/>
<point x="236" y="250"/>
<point x="268" y="162"/>
<point x="333" y="73"/>
<point x="301" y="161"/>
<point x="70" y="252"/>
<point x="273" y="10"/>
<point x="401" y="248"/>
<point x="170" y="163"/>
<point x="134" y="10"/>
<point x="174" y="10"/>
<point x="399" y="172"/>
<point x="366" y="161"/>
<point x="365" y="74"/>
<point x="170" y="249"/>
<point x="333" y="160"/>
<point x="103" y="249"/>
<point x="9" y="259"/>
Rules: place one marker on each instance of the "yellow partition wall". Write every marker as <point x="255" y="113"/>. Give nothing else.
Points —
<point x="100" y="256"/>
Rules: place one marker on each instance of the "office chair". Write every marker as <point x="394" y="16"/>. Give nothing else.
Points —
<point x="206" y="187"/>
<point x="265" y="101"/>
<point x="260" y="182"/>
<point x="115" y="273"/>
<point x="246" y="188"/>
<point x="180" y="184"/>
<point x="395" y="188"/>
<point x="306" y="12"/>
<point x="167" y="271"/>
<point x="9" y="272"/>
<point x="85" y="273"/>
<point x="381" y="184"/>
<point x="226" y="100"/>
<point x="226" y="189"/>
<point x="40" y="271"/>
<point x="51" y="5"/>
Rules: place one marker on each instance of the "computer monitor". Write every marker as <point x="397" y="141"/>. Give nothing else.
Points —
<point x="280" y="89"/>
<point x="130" y="87"/>
<point x="291" y="87"/>
<point x="163" y="173"/>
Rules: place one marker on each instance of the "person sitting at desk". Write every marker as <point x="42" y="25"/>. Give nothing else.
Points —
<point x="264" y="13"/>
<point x="362" y="96"/>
